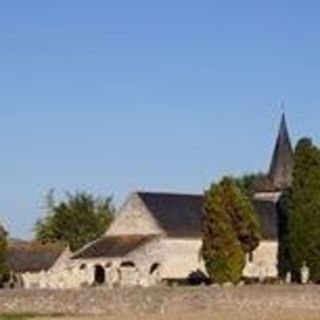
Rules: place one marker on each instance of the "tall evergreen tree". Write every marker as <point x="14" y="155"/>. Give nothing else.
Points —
<point x="243" y="216"/>
<point x="284" y="257"/>
<point x="304" y="209"/>
<point x="230" y="230"/>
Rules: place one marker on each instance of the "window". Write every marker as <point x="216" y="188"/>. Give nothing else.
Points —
<point x="83" y="266"/>
<point x="154" y="268"/>
<point x="250" y="257"/>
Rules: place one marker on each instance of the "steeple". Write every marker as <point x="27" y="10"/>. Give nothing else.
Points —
<point x="281" y="168"/>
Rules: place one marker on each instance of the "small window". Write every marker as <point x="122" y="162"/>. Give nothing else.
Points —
<point x="154" y="268"/>
<point x="83" y="266"/>
<point x="250" y="257"/>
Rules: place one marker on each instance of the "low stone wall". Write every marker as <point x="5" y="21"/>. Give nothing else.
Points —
<point x="163" y="301"/>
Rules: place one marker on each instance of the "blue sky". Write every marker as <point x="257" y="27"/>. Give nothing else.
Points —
<point x="114" y="96"/>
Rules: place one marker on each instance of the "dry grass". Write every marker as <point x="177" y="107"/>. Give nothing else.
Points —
<point x="219" y="315"/>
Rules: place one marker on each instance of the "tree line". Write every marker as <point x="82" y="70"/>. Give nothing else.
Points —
<point x="231" y="230"/>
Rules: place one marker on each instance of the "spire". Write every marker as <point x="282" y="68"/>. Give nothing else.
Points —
<point x="281" y="168"/>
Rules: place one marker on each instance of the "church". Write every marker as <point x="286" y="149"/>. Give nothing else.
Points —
<point x="156" y="237"/>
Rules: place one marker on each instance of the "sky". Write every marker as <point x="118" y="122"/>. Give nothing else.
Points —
<point x="116" y="96"/>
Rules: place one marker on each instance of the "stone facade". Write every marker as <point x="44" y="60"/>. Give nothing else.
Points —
<point x="134" y="218"/>
<point x="150" y="264"/>
<point x="263" y="262"/>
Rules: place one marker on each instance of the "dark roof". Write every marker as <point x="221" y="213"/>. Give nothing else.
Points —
<point x="281" y="167"/>
<point x="261" y="184"/>
<point x="268" y="218"/>
<point x="112" y="246"/>
<point x="178" y="214"/>
<point x="31" y="257"/>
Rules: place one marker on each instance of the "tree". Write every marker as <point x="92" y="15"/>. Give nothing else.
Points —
<point x="253" y="182"/>
<point x="222" y="252"/>
<point x="284" y="257"/>
<point x="4" y="269"/>
<point x="77" y="221"/>
<point x="230" y="230"/>
<point x="304" y="210"/>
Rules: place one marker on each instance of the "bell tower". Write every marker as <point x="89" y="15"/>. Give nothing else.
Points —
<point x="281" y="168"/>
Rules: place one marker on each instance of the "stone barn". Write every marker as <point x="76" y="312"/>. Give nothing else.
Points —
<point x="31" y="262"/>
<point x="157" y="237"/>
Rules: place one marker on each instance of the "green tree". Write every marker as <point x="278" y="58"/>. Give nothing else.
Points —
<point x="253" y="182"/>
<point x="77" y="221"/>
<point x="4" y="269"/>
<point x="284" y="258"/>
<point x="230" y="230"/>
<point x="304" y="209"/>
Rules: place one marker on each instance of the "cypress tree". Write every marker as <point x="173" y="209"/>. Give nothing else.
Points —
<point x="284" y="257"/>
<point x="304" y="210"/>
<point x="229" y="230"/>
<point x="243" y="216"/>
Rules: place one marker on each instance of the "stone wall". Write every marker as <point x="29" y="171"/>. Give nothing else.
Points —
<point x="161" y="258"/>
<point x="264" y="261"/>
<point x="134" y="218"/>
<point x="163" y="301"/>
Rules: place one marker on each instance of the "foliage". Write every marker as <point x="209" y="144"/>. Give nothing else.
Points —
<point x="77" y="221"/>
<point x="253" y="182"/>
<point x="230" y="229"/>
<point x="18" y="316"/>
<point x="4" y="269"/>
<point x="222" y="253"/>
<point x="304" y="209"/>
<point x="284" y="257"/>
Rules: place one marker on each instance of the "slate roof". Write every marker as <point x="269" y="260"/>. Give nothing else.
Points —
<point x="268" y="218"/>
<point x="281" y="168"/>
<point x="180" y="215"/>
<point x="29" y="257"/>
<point x="112" y="246"/>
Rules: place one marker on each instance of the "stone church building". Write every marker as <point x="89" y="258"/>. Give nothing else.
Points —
<point x="156" y="237"/>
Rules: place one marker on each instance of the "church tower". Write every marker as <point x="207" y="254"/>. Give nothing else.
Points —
<point x="281" y="168"/>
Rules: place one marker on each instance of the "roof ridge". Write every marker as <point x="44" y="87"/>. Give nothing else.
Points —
<point x="168" y="193"/>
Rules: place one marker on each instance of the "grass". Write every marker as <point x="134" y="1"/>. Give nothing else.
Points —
<point x="17" y="316"/>
<point x="25" y="316"/>
<point x="217" y="315"/>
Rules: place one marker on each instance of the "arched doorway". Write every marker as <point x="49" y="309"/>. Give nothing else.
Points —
<point x="99" y="275"/>
<point x="128" y="274"/>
